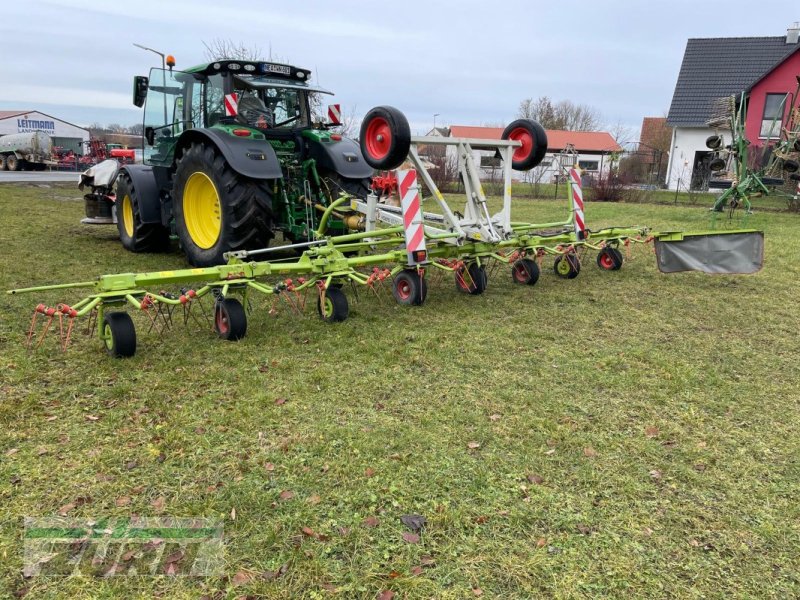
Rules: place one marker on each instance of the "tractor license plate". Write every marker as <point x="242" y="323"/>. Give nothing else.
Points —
<point x="733" y="252"/>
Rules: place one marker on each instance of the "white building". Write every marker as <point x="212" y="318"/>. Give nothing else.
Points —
<point x="66" y="135"/>
<point x="595" y="150"/>
<point x="716" y="68"/>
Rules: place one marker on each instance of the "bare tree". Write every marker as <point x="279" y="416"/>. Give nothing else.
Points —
<point x="564" y="114"/>
<point x="219" y="48"/>
<point x="622" y="133"/>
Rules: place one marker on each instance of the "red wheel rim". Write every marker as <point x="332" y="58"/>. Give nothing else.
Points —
<point x="520" y="273"/>
<point x="520" y="134"/>
<point x="606" y="261"/>
<point x="404" y="289"/>
<point x="378" y="138"/>
<point x="221" y="321"/>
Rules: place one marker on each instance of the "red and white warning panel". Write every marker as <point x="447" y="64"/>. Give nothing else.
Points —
<point x="577" y="203"/>
<point x="335" y="114"/>
<point x="412" y="217"/>
<point x="231" y="104"/>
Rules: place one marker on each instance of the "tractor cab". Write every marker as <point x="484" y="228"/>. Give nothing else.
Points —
<point x="232" y="157"/>
<point x="271" y="100"/>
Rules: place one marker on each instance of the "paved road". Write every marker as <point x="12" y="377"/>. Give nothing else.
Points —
<point x="38" y="177"/>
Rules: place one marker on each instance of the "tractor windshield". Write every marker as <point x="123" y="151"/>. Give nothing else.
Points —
<point x="269" y="104"/>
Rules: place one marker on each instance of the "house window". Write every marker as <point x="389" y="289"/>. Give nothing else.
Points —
<point x="491" y="162"/>
<point x="772" y="120"/>
<point x="589" y="165"/>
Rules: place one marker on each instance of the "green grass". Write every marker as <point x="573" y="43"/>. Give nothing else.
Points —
<point x="660" y="412"/>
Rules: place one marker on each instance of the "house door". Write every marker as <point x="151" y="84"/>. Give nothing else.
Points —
<point x="700" y="171"/>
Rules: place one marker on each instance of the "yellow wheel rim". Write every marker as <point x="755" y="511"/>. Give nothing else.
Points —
<point x="201" y="210"/>
<point x="107" y="337"/>
<point x="127" y="215"/>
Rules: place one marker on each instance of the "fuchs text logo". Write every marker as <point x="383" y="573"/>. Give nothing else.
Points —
<point x="31" y="125"/>
<point x="133" y="546"/>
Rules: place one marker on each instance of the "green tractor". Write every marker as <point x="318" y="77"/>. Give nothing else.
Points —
<point x="231" y="157"/>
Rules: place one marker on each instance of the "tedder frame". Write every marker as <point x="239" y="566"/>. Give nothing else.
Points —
<point x="402" y="244"/>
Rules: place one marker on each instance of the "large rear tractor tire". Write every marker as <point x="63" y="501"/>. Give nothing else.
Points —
<point x="135" y="235"/>
<point x="216" y="209"/>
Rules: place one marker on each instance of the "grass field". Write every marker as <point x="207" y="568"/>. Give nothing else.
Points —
<point x="620" y="435"/>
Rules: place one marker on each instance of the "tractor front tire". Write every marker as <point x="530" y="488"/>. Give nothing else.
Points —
<point x="135" y="235"/>
<point x="216" y="209"/>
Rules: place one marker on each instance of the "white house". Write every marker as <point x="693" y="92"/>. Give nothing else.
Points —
<point x="713" y="68"/>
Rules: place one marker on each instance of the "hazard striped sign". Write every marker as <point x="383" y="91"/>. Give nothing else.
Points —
<point x="231" y="104"/>
<point x="335" y="114"/>
<point x="412" y="216"/>
<point x="577" y="203"/>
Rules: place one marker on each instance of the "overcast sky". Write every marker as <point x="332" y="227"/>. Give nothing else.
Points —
<point x="471" y="62"/>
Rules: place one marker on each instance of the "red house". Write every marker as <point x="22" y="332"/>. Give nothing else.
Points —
<point x="765" y="68"/>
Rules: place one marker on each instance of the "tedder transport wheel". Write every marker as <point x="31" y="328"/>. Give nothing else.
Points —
<point x="119" y="334"/>
<point x="12" y="163"/>
<point x="567" y="266"/>
<point x="230" y="321"/>
<point x="717" y="164"/>
<point x="534" y="143"/>
<point x="714" y="142"/>
<point x="525" y="271"/>
<point x="385" y="138"/>
<point x="791" y="166"/>
<point x="335" y="306"/>
<point x="217" y="210"/>
<point x="409" y="288"/>
<point x="135" y="235"/>
<point x="472" y="280"/>
<point x="609" y="259"/>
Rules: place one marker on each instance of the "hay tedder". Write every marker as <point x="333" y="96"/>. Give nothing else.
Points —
<point x="744" y="173"/>
<point x="395" y="246"/>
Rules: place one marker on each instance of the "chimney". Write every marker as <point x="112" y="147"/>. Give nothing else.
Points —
<point x="793" y="33"/>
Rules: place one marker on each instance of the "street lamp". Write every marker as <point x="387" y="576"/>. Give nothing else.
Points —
<point x="434" y="119"/>
<point x="163" y="74"/>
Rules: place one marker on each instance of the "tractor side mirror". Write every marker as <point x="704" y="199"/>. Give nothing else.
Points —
<point x="140" y="83"/>
<point x="150" y="135"/>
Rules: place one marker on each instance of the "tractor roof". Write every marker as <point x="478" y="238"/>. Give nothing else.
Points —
<point x="248" y="67"/>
